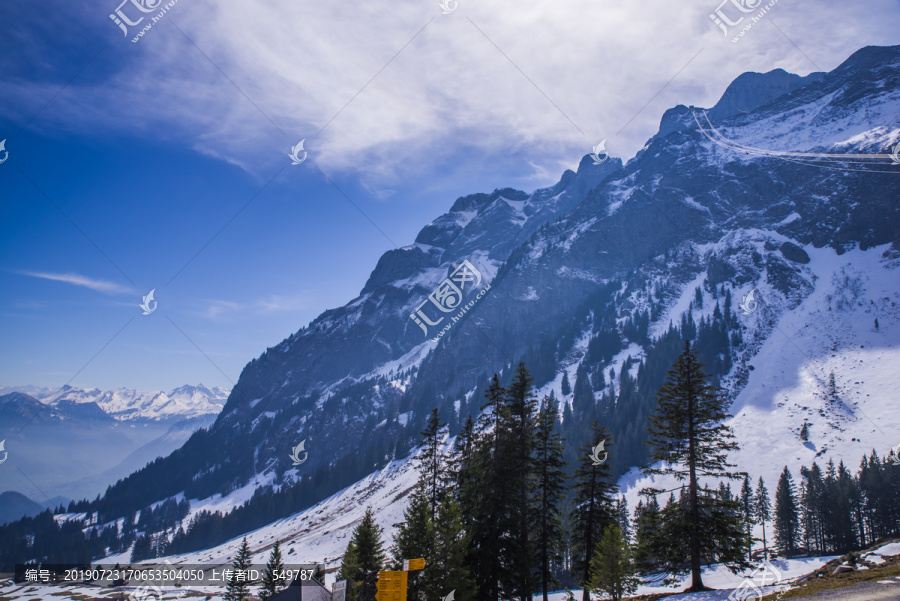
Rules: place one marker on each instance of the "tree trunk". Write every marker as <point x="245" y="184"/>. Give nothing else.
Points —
<point x="696" y="574"/>
<point x="588" y="545"/>
<point x="545" y="513"/>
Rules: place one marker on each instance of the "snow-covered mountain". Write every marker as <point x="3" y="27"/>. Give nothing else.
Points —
<point x="126" y="404"/>
<point x="585" y="278"/>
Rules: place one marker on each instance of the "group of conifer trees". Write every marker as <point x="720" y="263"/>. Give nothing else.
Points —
<point x="239" y="587"/>
<point x="498" y="517"/>
<point x="834" y="511"/>
<point x="485" y="515"/>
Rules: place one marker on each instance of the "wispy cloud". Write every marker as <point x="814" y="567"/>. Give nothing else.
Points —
<point x="276" y="302"/>
<point x="81" y="280"/>
<point x="219" y="308"/>
<point x="273" y="303"/>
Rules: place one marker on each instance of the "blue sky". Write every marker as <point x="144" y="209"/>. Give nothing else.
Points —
<point x="163" y="164"/>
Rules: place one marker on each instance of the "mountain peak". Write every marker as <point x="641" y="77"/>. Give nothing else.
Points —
<point x="752" y="90"/>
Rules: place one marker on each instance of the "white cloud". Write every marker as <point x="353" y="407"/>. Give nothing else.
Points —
<point x="81" y="280"/>
<point x="481" y="81"/>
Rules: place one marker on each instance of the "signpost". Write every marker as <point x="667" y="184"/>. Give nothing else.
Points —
<point x="339" y="592"/>
<point x="414" y="564"/>
<point x="391" y="586"/>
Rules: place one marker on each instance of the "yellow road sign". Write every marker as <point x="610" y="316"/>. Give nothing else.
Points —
<point x="414" y="564"/>
<point x="391" y="586"/>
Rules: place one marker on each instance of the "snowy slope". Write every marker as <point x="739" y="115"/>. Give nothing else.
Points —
<point x="320" y="533"/>
<point x="832" y="330"/>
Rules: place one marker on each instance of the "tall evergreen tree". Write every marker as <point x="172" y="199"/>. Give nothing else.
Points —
<point x="786" y="516"/>
<point x="437" y="537"/>
<point x="762" y="508"/>
<point x="273" y="577"/>
<point x="612" y="566"/>
<point x="841" y="495"/>
<point x="435" y="476"/>
<point x="746" y="500"/>
<point x="521" y="408"/>
<point x="462" y="469"/>
<point x="688" y="433"/>
<point x="622" y="517"/>
<point x="550" y="490"/>
<point x="238" y="586"/>
<point x="646" y="534"/>
<point x="448" y="557"/>
<point x="594" y="508"/>
<point x="565" y="387"/>
<point x="363" y="560"/>
<point x="813" y="503"/>
<point x="485" y="497"/>
<point x="141" y="549"/>
<point x="415" y="538"/>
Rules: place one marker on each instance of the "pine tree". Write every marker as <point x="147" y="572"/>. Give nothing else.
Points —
<point x="598" y="382"/>
<point x="646" y="533"/>
<point x="786" y="517"/>
<point x="238" y="586"/>
<point x="747" y="513"/>
<point x="582" y="392"/>
<point x="566" y="387"/>
<point x="461" y="467"/>
<point x="141" y="549"/>
<point x="594" y="509"/>
<point x="550" y="490"/>
<point x="520" y="401"/>
<point x="434" y="477"/>
<point x="831" y="393"/>
<point x="688" y="433"/>
<point x="622" y="517"/>
<point x="840" y="492"/>
<point x="418" y="535"/>
<point x="349" y="570"/>
<point x="414" y="538"/>
<point x="448" y="558"/>
<point x="814" y="505"/>
<point x="485" y="497"/>
<point x="762" y="507"/>
<point x="612" y="566"/>
<point x="363" y="560"/>
<point x="273" y="580"/>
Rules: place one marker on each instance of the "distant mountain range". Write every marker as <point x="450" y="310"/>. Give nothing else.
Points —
<point x="14" y="505"/>
<point x="127" y="404"/>
<point x="75" y="442"/>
